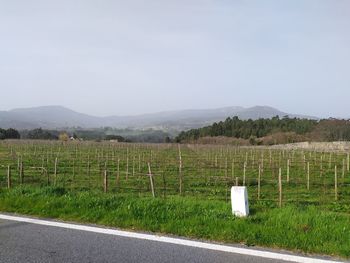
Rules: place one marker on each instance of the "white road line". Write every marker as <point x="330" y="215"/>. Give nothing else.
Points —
<point x="170" y="240"/>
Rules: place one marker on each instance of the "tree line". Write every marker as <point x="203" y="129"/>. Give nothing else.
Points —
<point x="261" y="131"/>
<point x="323" y="130"/>
<point x="9" y="134"/>
<point x="97" y="134"/>
<point x="234" y="127"/>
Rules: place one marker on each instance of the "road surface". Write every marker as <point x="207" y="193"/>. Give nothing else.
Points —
<point x="22" y="241"/>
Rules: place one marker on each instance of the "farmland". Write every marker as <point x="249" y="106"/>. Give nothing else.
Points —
<point x="311" y="177"/>
<point x="184" y="190"/>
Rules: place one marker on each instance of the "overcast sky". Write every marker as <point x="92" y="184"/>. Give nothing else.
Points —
<point x="127" y="57"/>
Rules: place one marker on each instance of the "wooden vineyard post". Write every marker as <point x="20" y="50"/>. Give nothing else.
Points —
<point x="47" y="176"/>
<point x="237" y="181"/>
<point x="105" y="180"/>
<point x="8" y="176"/>
<point x="79" y="166"/>
<point x="348" y="162"/>
<point x="262" y="166"/>
<point x="55" y="171"/>
<point x="280" y="186"/>
<point x="139" y="163"/>
<point x="151" y="179"/>
<point x="180" y="171"/>
<point x="164" y="185"/>
<point x="88" y="170"/>
<point x="288" y="165"/>
<point x="99" y="164"/>
<point x="73" y="168"/>
<point x="118" y="173"/>
<point x="279" y="160"/>
<point x="21" y="172"/>
<point x="244" y="172"/>
<point x="259" y="180"/>
<point x="335" y="184"/>
<point x="227" y="181"/>
<point x="308" y="176"/>
<point x="233" y="168"/>
<point x="42" y="165"/>
<point x="343" y="169"/>
<point x="127" y="164"/>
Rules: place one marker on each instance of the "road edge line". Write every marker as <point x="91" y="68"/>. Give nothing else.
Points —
<point x="169" y="240"/>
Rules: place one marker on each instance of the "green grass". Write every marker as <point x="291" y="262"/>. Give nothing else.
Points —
<point x="293" y="227"/>
<point x="208" y="171"/>
<point x="314" y="220"/>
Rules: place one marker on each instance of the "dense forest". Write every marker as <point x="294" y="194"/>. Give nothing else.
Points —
<point x="9" y="134"/>
<point x="253" y="130"/>
<point x="98" y="134"/>
<point x="231" y="131"/>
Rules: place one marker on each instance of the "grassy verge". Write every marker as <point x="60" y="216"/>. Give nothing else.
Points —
<point x="301" y="228"/>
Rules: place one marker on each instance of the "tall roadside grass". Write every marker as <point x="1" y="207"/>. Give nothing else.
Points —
<point x="299" y="228"/>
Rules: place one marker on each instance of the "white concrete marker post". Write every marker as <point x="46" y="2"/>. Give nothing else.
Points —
<point x="239" y="201"/>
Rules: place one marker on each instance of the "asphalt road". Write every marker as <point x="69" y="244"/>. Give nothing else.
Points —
<point x="26" y="242"/>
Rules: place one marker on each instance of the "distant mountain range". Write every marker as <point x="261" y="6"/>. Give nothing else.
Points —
<point x="58" y="117"/>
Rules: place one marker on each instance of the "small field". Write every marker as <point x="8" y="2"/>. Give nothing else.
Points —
<point x="299" y="198"/>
